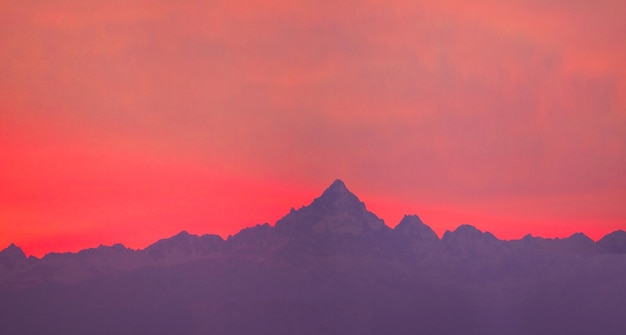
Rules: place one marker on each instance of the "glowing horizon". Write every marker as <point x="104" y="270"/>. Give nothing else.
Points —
<point x="449" y="215"/>
<point x="126" y="122"/>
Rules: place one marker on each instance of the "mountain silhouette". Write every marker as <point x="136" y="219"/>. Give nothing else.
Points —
<point x="337" y="211"/>
<point x="412" y="228"/>
<point x="412" y="238"/>
<point x="184" y="246"/>
<point x="331" y="267"/>
<point x="12" y="257"/>
<point x="467" y="240"/>
<point x="614" y="242"/>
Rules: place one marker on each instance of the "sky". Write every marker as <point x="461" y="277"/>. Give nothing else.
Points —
<point x="129" y="121"/>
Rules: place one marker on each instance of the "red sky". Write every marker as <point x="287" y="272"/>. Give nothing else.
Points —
<point x="128" y="121"/>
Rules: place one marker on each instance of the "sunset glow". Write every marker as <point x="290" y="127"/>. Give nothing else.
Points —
<point x="129" y="121"/>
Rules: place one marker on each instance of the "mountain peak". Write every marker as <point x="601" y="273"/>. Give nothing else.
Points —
<point x="336" y="210"/>
<point x="412" y="223"/>
<point x="337" y="189"/>
<point x="467" y="232"/>
<point x="580" y="237"/>
<point x="13" y="251"/>
<point x="338" y="184"/>
<point x="337" y="197"/>
<point x="182" y="235"/>
<point x="614" y="242"/>
<point x="12" y="256"/>
<point x="412" y="227"/>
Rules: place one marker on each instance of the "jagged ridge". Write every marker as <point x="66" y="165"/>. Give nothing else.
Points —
<point x="330" y="267"/>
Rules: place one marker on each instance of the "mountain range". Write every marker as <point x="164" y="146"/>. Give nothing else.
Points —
<point x="331" y="267"/>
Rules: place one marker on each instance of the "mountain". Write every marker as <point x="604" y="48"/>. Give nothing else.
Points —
<point x="413" y="229"/>
<point x="12" y="257"/>
<point x="413" y="239"/>
<point x="468" y="241"/>
<point x="336" y="212"/>
<point x="614" y="242"/>
<point x="335" y="222"/>
<point x="184" y="247"/>
<point x="330" y="267"/>
<point x="577" y="243"/>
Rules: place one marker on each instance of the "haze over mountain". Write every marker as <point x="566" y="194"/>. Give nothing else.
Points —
<point x="331" y="267"/>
